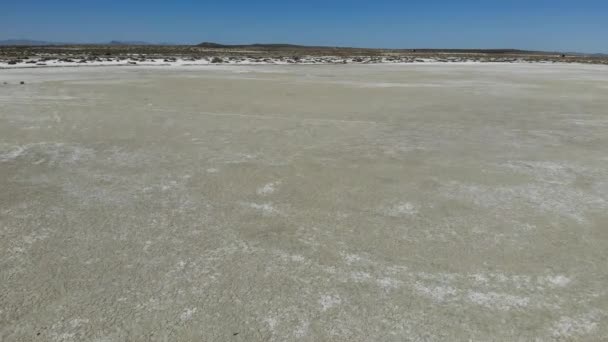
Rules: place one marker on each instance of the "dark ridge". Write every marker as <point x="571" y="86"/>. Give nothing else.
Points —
<point x="211" y="45"/>
<point x="284" y="48"/>
<point x="268" y="46"/>
<point x="120" y="42"/>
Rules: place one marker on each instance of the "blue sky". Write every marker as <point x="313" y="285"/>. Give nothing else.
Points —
<point x="574" y="25"/>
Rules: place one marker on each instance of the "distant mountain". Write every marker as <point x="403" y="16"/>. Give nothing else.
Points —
<point x="289" y="47"/>
<point x="303" y="47"/>
<point x="120" y="42"/>
<point x="262" y="46"/>
<point x="134" y="42"/>
<point x="212" y="45"/>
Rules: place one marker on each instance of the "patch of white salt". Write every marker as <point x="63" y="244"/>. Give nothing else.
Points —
<point x="187" y="314"/>
<point x="265" y="208"/>
<point x="268" y="189"/>
<point x="500" y="301"/>
<point x="402" y="209"/>
<point x="328" y="301"/>
<point x="569" y="327"/>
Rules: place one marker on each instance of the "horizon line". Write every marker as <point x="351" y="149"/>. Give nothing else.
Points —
<point x="219" y="45"/>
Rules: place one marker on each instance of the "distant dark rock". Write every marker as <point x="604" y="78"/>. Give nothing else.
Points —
<point x="118" y="42"/>
<point x="212" y="45"/>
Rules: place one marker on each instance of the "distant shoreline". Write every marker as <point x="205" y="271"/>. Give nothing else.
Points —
<point x="134" y="61"/>
<point x="27" y="43"/>
<point x="262" y="54"/>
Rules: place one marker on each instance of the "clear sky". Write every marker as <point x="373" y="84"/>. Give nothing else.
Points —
<point x="572" y="25"/>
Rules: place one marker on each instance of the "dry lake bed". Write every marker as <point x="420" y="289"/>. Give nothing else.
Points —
<point x="304" y="203"/>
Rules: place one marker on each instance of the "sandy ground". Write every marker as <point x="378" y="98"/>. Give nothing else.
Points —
<point x="304" y="203"/>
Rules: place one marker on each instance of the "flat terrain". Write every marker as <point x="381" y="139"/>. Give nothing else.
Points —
<point x="304" y="203"/>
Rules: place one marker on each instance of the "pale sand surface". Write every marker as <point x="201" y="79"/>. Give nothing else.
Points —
<point x="304" y="203"/>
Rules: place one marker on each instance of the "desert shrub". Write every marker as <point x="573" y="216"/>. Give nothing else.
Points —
<point x="217" y="60"/>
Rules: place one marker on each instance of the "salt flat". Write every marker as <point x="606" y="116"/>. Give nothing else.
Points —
<point x="304" y="203"/>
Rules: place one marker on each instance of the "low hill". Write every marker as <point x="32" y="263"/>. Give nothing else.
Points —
<point x="258" y="46"/>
